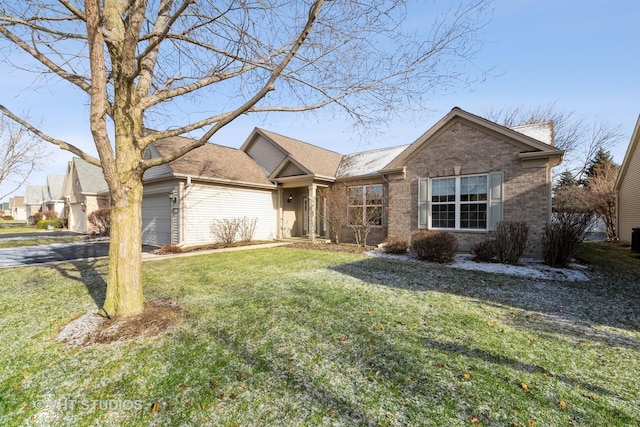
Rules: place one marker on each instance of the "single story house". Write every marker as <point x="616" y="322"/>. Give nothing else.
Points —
<point x="628" y="188"/>
<point x="84" y="190"/>
<point x="17" y="209"/>
<point x="34" y="196"/>
<point x="464" y="175"/>
<point x="52" y="195"/>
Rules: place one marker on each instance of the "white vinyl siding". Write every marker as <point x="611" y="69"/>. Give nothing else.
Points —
<point x="157" y="171"/>
<point x="156" y="220"/>
<point x="461" y="202"/>
<point x="204" y="204"/>
<point x="267" y="155"/>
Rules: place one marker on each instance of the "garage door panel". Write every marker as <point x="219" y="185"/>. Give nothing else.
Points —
<point x="156" y="220"/>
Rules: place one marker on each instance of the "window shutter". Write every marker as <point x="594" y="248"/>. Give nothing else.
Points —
<point x="496" y="198"/>
<point x="423" y="203"/>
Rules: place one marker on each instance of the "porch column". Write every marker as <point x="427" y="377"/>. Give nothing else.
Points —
<point x="312" y="212"/>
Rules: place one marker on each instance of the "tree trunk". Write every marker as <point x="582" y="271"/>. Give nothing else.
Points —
<point x="124" y="280"/>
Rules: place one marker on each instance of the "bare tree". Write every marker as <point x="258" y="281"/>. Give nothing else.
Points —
<point x="602" y="195"/>
<point x="580" y="138"/>
<point x="337" y="209"/>
<point x="20" y="154"/>
<point x="140" y="61"/>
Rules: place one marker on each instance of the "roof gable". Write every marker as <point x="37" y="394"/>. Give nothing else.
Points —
<point x="54" y="186"/>
<point x="90" y="177"/>
<point x="308" y="157"/>
<point x="531" y="148"/>
<point x="629" y="155"/>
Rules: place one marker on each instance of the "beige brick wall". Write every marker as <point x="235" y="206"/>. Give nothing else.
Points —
<point x="526" y="189"/>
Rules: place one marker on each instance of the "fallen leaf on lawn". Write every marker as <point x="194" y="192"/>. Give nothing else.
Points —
<point x="343" y="338"/>
<point x="467" y="376"/>
<point x="532" y="423"/>
<point x="378" y="328"/>
<point x="233" y="396"/>
<point x="216" y="383"/>
<point x="440" y="365"/>
<point x="155" y="407"/>
<point x="474" y="420"/>
<point x="563" y="404"/>
<point x="489" y="322"/>
<point x="524" y="386"/>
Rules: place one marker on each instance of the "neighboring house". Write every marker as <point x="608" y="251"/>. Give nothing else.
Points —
<point x="628" y="188"/>
<point x="17" y="209"/>
<point x="34" y="195"/>
<point x="183" y="198"/>
<point x="84" y="191"/>
<point x="52" y="195"/>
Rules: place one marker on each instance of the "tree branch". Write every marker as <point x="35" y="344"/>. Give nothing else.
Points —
<point x="62" y="144"/>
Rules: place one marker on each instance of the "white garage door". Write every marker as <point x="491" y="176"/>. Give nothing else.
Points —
<point x="156" y="220"/>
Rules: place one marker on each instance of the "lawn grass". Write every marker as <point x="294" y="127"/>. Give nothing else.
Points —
<point x="25" y="229"/>
<point x="38" y="241"/>
<point x="299" y="337"/>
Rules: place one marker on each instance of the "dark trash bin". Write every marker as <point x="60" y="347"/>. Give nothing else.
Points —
<point x="635" y="240"/>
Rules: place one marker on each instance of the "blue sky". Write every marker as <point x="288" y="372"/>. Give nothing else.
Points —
<point x="584" y="55"/>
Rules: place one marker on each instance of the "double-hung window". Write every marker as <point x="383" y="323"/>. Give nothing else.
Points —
<point x="366" y="204"/>
<point x="461" y="202"/>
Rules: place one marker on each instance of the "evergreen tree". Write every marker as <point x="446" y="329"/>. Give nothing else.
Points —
<point x="567" y="180"/>
<point x="601" y="160"/>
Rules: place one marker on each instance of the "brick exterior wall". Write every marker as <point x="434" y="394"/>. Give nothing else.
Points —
<point x="460" y="144"/>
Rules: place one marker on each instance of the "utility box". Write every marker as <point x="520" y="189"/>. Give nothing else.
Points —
<point x="635" y="240"/>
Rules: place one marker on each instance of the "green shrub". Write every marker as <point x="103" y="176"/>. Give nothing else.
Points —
<point x="395" y="246"/>
<point x="511" y="240"/>
<point x="485" y="251"/>
<point x="44" y="224"/>
<point x="434" y="246"/>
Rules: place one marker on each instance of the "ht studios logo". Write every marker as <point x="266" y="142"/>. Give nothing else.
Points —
<point x="88" y="405"/>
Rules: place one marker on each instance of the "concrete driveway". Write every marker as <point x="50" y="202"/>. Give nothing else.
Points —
<point x="57" y="252"/>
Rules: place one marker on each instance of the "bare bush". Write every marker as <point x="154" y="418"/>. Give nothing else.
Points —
<point x="225" y="230"/>
<point x="247" y="228"/>
<point x="101" y="221"/>
<point x="511" y="241"/>
<point x="396" y="246"/>
<point x="561" y="239"/>
<point x="434" y="246"/>
<point x="485" y="251"/>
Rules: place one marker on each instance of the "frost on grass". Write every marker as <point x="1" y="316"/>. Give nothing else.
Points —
<point x="91" y="328"/>
<point x="530" y="268"/>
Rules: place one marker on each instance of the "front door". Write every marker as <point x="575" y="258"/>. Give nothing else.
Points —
<point x="320" y="231"/>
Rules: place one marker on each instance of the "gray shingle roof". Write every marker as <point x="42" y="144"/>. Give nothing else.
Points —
<point x="90" y="177"/>
<point x="33" y="194"/>
<point x="54" y="187"/>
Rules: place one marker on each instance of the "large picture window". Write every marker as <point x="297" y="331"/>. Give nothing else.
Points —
<point x="366" y="204"/>
<point x="459" y="203"/>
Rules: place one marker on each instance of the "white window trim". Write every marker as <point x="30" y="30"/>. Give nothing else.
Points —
<point x="458" y="203"/>
<point x="495" y="199"/>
